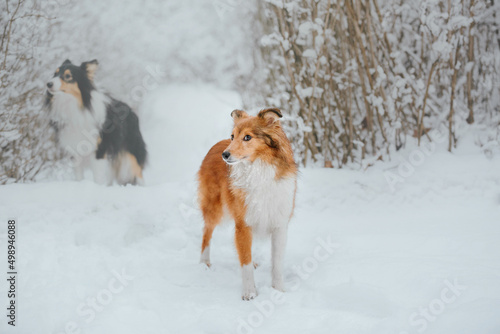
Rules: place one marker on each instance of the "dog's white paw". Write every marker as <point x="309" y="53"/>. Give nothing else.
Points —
<point x="205" y="264"/>
<point x="278" y="282"/>
<point x="249" y="294"/>
<point x="279" y="286"/>
<point x="205" y="257"/>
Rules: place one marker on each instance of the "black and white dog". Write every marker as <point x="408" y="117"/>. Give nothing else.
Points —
<point x="97" y="131"/>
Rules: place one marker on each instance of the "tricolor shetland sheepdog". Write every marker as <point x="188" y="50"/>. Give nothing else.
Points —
<point x="97" y="131"/>
<point x="253" y="177"/>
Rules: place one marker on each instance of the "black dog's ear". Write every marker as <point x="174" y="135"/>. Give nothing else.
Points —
<point x="67" y="62"/>
<point x="90" y="67"/>
<point x="237" y="114"/>
<point x="271" y="115"/>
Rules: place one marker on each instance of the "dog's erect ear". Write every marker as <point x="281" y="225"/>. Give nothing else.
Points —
<point x="271" y="115"/>
<point x="90" y="67"/>
<point x="67" y="62"/>
<point x="238" y="114"/>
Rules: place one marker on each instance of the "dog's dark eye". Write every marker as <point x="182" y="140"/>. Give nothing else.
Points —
<point x="67" y="76"/>
<point x="247" y="138"/>
<point x="232" y="137"/>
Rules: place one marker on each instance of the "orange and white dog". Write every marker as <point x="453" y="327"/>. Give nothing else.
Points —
<point x="253" y="177"/>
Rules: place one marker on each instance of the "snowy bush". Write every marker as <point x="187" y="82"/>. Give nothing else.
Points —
<point x="361" y="78"/>
<point x="24" y="139"/>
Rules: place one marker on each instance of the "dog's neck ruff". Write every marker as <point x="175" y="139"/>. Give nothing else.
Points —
<point x="269" y="201"/>
<point x="66" y="111"/>
<point x="79" y="129"/>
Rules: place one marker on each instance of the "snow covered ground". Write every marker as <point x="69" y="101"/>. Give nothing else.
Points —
<point x="418" y="255"/>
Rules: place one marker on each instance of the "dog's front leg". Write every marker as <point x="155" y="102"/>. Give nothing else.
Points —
<point x="101" y="169"/>
<point x="78" y="169"/>
<point x="243" y="238"/>
<point x="278" y="240"/>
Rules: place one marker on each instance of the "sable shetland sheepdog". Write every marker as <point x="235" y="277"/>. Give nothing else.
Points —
<point x="253" y="177"/>
<point x="96" y="130"/>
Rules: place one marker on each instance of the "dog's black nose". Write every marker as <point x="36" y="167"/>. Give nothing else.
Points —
<point x="50" y="84"/>
<point x="226" y="155"/>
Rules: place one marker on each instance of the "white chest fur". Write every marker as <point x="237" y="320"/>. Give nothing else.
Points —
<point x="269" y="201"/>
<point x="78" y="128"/>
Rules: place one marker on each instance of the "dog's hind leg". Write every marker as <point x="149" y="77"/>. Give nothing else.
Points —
<point x="101" y="168"/>
<point x="126" y="170"/>
<point x="212" y="215"/>
<point x="205" y="245"/>
<point x="135" y="170"/>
